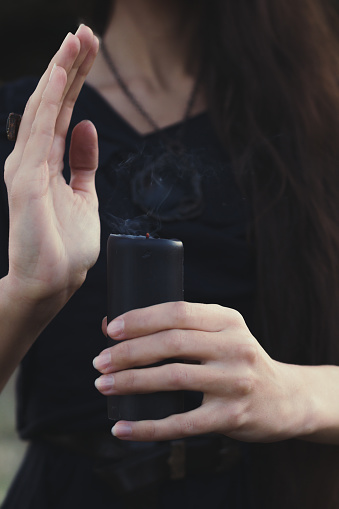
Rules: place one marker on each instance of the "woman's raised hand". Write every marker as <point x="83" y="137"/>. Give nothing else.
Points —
<point x="246" y="394"/>
<point x="54" y="227"/>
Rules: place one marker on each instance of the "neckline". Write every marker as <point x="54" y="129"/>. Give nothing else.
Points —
<point x="110" y="110"/>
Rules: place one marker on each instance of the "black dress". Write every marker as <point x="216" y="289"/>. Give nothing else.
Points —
<point x="56" y="393"/>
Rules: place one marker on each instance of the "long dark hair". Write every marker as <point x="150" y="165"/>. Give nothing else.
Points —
<point x="272" y="71"/>
<point x="273" y="75"/>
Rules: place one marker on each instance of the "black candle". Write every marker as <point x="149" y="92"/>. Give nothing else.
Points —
<point x="141" y="272"/>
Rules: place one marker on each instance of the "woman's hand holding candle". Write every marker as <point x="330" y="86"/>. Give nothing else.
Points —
<point x="246" y="394"/>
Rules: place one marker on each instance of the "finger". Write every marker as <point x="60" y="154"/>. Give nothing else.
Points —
<point x="65" y="58"/>
<point x="169" y="377"/>
<point x="83" y="157"/>
<point x="196" y="422"/>
<point x="86" y="38"/>
<point x="75" y="81"/>
<point x="41" y="136"/>
<point x="104" y="326"/>
<point x="174" y="344"/>
<point x="173" y="315"/>
<point x="75" y="84"/>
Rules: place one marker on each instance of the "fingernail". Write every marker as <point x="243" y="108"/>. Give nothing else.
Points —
<point x="116" y="327"/>
<point x="122" y="430"/>
<point x="104" y="382"/>
<point x="79" y="28"/>
<point x="103" y="360"/>
<point x="52" y="71"/>
<point x="67" y="37"/>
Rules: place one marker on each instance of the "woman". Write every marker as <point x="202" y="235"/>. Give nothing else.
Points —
<point x="161" y="66"/>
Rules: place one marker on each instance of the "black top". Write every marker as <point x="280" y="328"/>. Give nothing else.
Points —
<point x="56" y="386"/>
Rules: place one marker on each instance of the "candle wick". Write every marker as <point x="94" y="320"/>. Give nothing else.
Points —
<point x="147" y="235"/>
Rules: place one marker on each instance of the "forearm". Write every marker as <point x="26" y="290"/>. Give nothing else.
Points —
<point x="318" y="392"/>
<point x="21" y="322"/>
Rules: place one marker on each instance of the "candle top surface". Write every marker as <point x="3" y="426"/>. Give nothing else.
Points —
<point x="149" y="238"/>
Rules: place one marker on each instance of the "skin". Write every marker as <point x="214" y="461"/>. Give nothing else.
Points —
<point x="54" y="227"/>
<point x="54" y="240"/>
<point x="246" y="394"/>
<point x="151" y="49"/>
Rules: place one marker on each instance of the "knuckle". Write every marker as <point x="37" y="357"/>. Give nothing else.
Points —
<point x="150" y="430"/>
<point x="8" y="162"/>
<point x="216" y="308"/>
<point x="29" y="105"/>
<point x="124" y="353"/>
<point x="187" y="427"/>
<point x="8" y="169"/>
<point x="176" y="340"/>
<point x="48" y="101"/>
<point x="41" y="130"/>
<point x="130" y="378"/>
<point x="35" y="128"/>
<point x="236" y="418"/>
<point x="6" y="178"/>
<point x="247" y="353"/>
<point x="235" y="319"/>
<point x="182" y="311"/>
<point x="243" y="386"/>
<point x="178" y="376"/>
<point x="250" y="353"/>
<point x="16" y="192"/>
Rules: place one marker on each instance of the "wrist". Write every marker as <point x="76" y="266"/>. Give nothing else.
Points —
<point x="26" y="303"/>
<point x="298" y="402"/>
<point x="31" y="294"/>
<point x="320" y="388"/>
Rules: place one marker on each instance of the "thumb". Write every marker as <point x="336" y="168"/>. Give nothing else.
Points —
<point x="83" y="157"/>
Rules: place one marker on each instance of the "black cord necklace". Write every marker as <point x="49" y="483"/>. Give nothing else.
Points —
<point x="165" y="184"/>
<point x="123" y="86"/>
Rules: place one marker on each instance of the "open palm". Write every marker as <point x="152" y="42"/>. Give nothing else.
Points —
<point x="54" y="227"/>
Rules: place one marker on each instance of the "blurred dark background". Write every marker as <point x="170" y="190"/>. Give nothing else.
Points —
<point x="31" y="32"/>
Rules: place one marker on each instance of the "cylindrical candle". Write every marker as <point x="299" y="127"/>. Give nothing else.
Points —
<point x="141" y="272"/>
